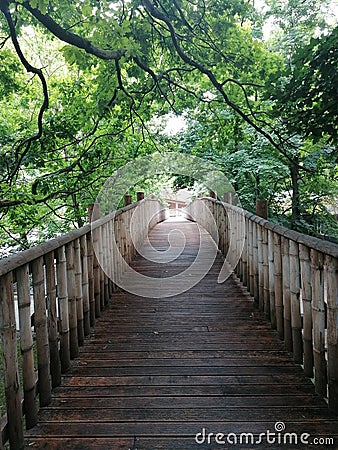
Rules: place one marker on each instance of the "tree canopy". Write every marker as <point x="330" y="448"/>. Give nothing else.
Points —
<point x="84" y="85"/>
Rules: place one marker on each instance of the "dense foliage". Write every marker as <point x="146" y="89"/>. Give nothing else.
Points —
<point x="84" y="86"/>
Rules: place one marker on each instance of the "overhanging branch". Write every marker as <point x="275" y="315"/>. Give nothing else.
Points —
<point x="4" y="6"/>
<point x="278" y="144"/>
<point x="72" y="38"/>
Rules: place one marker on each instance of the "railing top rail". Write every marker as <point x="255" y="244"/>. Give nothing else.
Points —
<point x="16" y="260"/>
<point x="323" y="246"/>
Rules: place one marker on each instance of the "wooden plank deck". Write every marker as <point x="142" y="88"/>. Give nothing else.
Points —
<point x="155" y="372"/>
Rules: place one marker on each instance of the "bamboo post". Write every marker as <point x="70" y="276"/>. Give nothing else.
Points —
<point x="122" y="236"/>
<point x="131" y="243"/>
<point x="105" y="245"/>
<point x="266" y="292"/>
<point x="139" y="196"/>
<point x="127" y="200"/>
<point x="255" y="261"/>
<point x="118" y="249"/>
<point x="226" y="230"/>
<point x="1" y="433"/>
<point x="62" y="293"/>
<point x="332" y="331"/>
<point x="41" y="330"/>
<point x="26" y="346"/>
<point x="286" y="294"/>
<point x="93" y="211"/>
<point x="296" y="320"/>
<point x="111" y="258"/>
<point x="94" y="214"/>
<point x="222" y="229"/>
<point x="96" y="271"/>
<point x="305" y="267"/>
<point x="55" y="363"/>
<point x="251" y="258"/>
<point x="101" y="273"/>
<point x="78" y="291"/>
<point x="245" y="254"/>
<point x="277" y="245"/>
<point x="91" y="282"/>
<point x="114" y="254"/>
<point x="10" y="362"/>
<point x="318" y="317"/>
<point x="260" y="267"/>
<point x="233" y="238"/>
<point x="73" y="338"/>
<point x="85" y="284"/>
<point x="271" y="269"/>
<point x="239" y="240"/>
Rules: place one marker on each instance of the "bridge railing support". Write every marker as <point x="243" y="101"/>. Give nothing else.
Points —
<point x="293" y="279"/>
<point x="60" y="289"/>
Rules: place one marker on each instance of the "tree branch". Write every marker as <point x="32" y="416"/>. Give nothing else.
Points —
<point x="26" y="142"/>
<point x="72" y="38"/>
<point x="154" y="11"/>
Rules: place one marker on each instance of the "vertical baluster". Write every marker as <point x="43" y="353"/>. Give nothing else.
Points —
<point x="78" y="291"/>
<point x="271" y="268"/>
<point x="318" y="317"/>
<point x="266" y="296"/>
<point x="234" y="240"/>
<point x="101" y="272"/>
<point x="251" y="259"/>
<point x="277" y="245"/>
<point x="221" y="225"/>
<point x="260" y="267"/>
<point x="332" y="330"/>
<point x="111" y="257"/>
<point x="1" y="434"/>
<point x="234" y="227"/>
<point x="226" y="231"/>
<point x="117" y="250"/>
<point x="122" y="236"/>
<point x="305" y="265"/>
<point x="126" y="216"/>
<point x="74" y="344"/>
<point x="245" y="253"/>
<point x="85" y="284"/>
<point x="105" y="246"/>
<point x="91" y="281"/>
<point x="94" y="250"/>
<point x="62" y="293"/>
<point x="296" y="320"/>
<point x="286" y="294"/>
<point x="41" y="330"/>
<point x="239" y="242"/>
<point x="255" y="261"/>
<point x="26" y="345"/>
<point x="10" y="362"/>
<point x="96" y="270"/>
<point x="55" y="364"/>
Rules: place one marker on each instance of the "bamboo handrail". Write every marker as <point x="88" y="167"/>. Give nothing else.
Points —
<point x="70" y="290"/>
<point x="293" y="278"/>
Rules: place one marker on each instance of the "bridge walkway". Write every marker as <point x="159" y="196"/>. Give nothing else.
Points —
<point x="173" y="373"/>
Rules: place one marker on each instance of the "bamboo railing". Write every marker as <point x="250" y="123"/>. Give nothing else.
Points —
<point x="293" y="278"/>
<point x="69" y="291"/>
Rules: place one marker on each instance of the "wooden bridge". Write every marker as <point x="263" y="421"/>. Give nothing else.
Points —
<point x="248" y="363"/>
